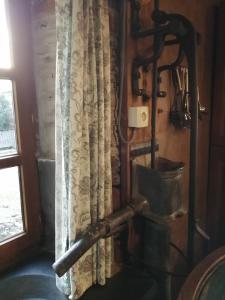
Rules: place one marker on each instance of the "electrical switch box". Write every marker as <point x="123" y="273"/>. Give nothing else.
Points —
<point x="138" y="116"/>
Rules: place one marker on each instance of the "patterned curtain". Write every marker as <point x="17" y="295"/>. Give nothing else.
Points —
<point x="83" y="136"/>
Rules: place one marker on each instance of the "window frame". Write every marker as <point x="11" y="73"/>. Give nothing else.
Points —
<point x="21" y="74"/>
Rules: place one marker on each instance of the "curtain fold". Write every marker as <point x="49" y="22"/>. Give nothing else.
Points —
<point x="83" y="136"/>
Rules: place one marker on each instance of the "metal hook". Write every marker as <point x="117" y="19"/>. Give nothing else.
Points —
<point x="172" y="66"/>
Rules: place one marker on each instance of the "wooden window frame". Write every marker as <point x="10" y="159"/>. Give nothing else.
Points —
<point x="21" y="73"/>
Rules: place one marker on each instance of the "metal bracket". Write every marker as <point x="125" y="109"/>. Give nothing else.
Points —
<point x="144" y="63"/>
<point x="136" y="90"/>
<point x="172" y="66"/>
<point x="172" y="24"/>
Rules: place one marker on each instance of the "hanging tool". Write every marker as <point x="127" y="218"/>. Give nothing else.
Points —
<point x="201" y="109"/>
<point x="177" y="114"/>
<point x="170" y="67"/>
<point x="180" y="115"/>
<point x="186" y="99"/>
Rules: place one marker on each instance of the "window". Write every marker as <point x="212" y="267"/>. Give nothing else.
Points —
<point x="19" y="201"/>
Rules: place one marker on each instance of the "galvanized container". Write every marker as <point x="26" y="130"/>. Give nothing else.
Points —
<point x="163" y="186"/>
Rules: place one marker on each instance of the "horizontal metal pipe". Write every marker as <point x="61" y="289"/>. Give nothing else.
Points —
<point x="81" y="245"/>
<point x="95" y="232"/>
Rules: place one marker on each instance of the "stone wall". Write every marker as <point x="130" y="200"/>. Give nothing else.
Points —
<point x="44" y="49"/>
<point x="44" y="57"/>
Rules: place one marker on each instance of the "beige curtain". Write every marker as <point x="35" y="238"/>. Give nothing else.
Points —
<point x="83" y="136"/>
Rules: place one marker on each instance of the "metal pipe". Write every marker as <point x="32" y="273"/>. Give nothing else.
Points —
<point x="80" y="246"/>
<point x="190" y="48"/>
<point x="192" y="61"/>
<point x="154" y="87"/>
<point x="101" y="229"/>
<point x="175" y="64"/>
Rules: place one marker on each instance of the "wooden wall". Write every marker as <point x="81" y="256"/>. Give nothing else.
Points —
<point x="174" y="143"/>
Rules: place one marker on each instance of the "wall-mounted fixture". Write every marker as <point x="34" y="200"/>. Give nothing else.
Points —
<point x="163" y="187"/>
<point x="138" y="117"/>
<point x="185" y="36"/>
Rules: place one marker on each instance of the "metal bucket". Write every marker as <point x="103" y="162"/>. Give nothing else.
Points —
<point x="163" y="186"/>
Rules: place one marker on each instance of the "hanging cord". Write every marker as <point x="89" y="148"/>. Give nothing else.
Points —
<point x="154" y="87"/>
<point x="122" y="73"/>
<point x="179" y="251"/>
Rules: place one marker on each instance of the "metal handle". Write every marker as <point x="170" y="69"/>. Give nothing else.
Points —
<point x="81" y="245"/>
<point x="101" y="229"/>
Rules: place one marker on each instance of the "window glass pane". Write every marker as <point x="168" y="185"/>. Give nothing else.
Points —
<point x="11" y="217"/>
<point x="8" y="144"/>
<point x="5" y="53"/>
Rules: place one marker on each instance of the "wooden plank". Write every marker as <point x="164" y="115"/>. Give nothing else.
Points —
<point x="10" y="161"/>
